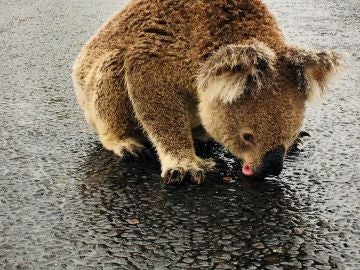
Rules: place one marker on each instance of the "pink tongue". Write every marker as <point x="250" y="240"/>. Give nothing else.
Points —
<point x="246" y="170"/>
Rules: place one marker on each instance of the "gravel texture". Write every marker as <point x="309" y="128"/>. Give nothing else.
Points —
<point x="65" y="203"/>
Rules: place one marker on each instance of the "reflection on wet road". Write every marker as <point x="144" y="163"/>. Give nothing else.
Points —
<point x="68" y="204"/>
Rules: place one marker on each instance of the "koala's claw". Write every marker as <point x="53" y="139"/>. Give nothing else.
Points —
<point x="303" y="134"/>
<point x="176" y="176"/>
<point x="173" y="177"/>
<point x="194" y="171"/>
<point x="198" y="178"/>
<point x="298" y="141"/>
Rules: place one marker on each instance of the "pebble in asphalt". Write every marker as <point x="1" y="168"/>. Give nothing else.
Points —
<point x="68" y="204"/>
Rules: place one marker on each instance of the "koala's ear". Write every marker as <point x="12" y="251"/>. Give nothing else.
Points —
<point x="234" y="69"/>
<point x="314" y="70"/>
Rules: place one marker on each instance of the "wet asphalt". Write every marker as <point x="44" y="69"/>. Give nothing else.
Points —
<point x="66" y="203"/>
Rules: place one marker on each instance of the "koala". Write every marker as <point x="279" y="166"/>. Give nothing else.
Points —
<point x="172" y="71"/>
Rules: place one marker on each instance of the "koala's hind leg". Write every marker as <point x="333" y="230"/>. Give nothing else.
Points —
<point x="163" y="112"/>
<point x="112" y="114"/>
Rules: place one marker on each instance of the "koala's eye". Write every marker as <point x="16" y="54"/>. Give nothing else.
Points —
<point x="248" y="137"/>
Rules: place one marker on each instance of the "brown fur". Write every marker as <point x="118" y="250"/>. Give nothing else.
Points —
<point x="147" y="72"/>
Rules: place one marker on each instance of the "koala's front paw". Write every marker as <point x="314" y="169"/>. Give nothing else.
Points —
<point x="125" y="148"/>
<point x="194" y="169"/>
<point x="175" y="176"/>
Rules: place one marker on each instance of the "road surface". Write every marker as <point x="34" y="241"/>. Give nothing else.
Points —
<point x="65" y="203"/>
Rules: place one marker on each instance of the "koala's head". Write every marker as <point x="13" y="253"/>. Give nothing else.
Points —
<point x="252" y="100"/>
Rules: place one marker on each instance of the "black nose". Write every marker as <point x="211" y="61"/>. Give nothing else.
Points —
<point x="272" y="163"/>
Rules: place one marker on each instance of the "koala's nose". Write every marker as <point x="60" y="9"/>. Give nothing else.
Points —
<point x="272" y="163"/>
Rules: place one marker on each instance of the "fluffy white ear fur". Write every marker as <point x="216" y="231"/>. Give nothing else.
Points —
<point x="233" y="69"/>
<point x="314" y="70"/>
<point x="226" y="87"/>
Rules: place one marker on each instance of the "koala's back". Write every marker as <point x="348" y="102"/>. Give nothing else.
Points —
<point x="184" y="32"/>
<point x="153" y="23"/>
